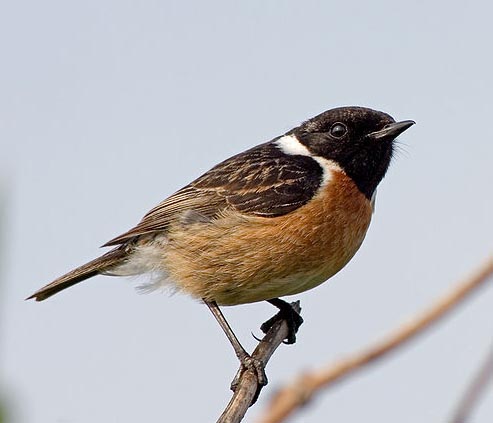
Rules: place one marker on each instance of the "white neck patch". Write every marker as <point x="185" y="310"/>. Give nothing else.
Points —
<point x="289" y="144"/>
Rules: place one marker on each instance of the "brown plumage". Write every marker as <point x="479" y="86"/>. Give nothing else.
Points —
<point x="241" y="259"/>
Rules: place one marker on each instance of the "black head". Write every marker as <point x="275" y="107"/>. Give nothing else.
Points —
<point x="358" y="139"/>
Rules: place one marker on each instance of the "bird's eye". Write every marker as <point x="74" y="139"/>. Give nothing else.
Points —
<point x="338" y="130"/>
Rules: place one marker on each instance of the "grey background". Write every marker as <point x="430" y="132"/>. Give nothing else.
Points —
<point x="107" y="107"/>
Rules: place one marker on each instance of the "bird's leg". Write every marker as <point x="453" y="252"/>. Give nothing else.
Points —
<point x="246" y="360"/>
<point x="287" y="313"/>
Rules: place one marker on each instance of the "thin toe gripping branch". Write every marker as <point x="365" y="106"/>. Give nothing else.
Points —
<point x="287" y="313"/>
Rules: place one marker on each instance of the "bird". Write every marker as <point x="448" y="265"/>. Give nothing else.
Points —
<point x="275" y="220"/>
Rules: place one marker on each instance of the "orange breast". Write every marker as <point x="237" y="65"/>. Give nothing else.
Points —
<point x="240" y="259"/>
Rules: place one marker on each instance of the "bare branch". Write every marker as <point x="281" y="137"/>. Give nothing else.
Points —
<point x="247" y="387"/>
<point x="474" y="390"/>
<point x="306" y="386"/>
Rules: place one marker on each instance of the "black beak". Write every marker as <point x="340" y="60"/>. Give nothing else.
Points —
<point x="392" y="130"/>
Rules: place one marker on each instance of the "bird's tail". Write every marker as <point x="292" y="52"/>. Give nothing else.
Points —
<point x="95" y="267"/>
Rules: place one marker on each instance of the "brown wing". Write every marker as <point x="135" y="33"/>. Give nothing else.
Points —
<point x="262" y="181"/>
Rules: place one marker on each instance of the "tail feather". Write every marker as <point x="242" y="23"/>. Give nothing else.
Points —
<point x="88" y="270"/>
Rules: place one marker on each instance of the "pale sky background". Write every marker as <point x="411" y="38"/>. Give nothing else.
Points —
<point x="107" y="107"/>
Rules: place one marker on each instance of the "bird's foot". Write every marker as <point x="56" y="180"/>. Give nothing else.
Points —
<point x="253" y="365"/>
<point x="289" y="315"/>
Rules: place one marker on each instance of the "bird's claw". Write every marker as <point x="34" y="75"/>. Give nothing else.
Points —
<point x="258" y="368"/>
<point x="292" y="318"/>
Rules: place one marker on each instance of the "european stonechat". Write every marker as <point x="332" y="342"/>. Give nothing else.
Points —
<point x="275" y="220"/>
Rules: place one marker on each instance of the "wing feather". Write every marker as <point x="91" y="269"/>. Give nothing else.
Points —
<point x="262" y="181"/>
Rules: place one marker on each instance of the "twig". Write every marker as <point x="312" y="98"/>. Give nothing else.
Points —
<point x="306" y="386"/>
<point x="247" y="387"/>
<point x="474" y="390"/>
